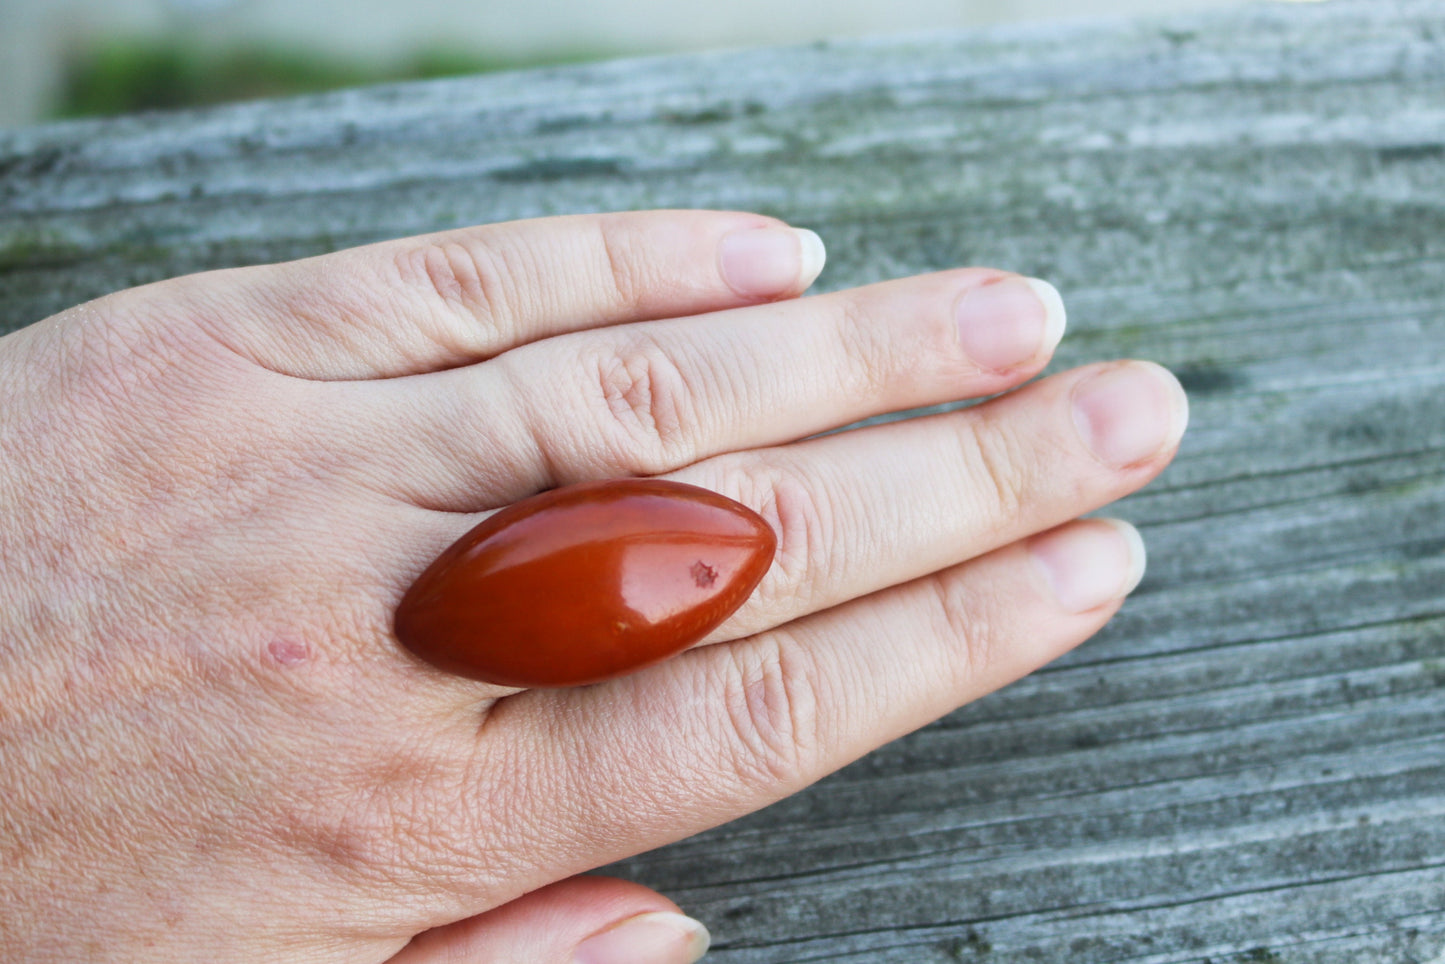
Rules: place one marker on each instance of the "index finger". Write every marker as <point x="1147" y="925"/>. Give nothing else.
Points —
<point x="442" y="300"/>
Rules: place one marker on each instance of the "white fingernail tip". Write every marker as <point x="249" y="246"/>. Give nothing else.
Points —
<point x="1091" y="563"/>
<point x="813" y="256"/>
<point x="1138" y="556"/>
<point x="1055" y="318"/>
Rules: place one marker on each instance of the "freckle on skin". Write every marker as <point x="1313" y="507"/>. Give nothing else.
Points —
<point x="288" y="652"/>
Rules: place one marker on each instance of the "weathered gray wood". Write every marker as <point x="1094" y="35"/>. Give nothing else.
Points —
<point x="1247" y="765"/>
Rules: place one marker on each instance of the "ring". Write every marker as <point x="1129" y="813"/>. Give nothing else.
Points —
<point x="586" y="582"/>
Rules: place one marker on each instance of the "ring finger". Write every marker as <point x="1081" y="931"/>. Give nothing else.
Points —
<point x="860" y="511"/>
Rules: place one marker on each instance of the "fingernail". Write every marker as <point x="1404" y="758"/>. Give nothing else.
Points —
<point x="656" y="938"/>
<point x="1130" y="412"/>
<point x="762" y="262"/>
<point x="1006" y="323"/>
<point x="1090" y="563"/>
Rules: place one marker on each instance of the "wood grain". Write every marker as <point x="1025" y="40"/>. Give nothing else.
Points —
<point x="1247" y="765"/>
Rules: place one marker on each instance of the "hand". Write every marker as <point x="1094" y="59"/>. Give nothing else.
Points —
<point x="215" y="490"/>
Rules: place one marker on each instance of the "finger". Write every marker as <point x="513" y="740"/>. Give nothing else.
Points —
<point x="441" y="300"/>
<point x="582" y="920"/>
<point x="724" y="730"/>
<point x="647" y="399"/>
<point x="858" y="511"/>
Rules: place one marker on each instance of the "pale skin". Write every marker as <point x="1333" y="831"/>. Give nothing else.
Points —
<point x="215" y="490"/>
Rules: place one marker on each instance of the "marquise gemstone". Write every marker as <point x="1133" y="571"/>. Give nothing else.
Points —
<point x="586" y="582"/>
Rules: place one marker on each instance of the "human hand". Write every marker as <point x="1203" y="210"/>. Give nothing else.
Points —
<point x="215" y="490"/>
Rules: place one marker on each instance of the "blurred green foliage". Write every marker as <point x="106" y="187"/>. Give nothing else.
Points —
<point x="124" y="75"/>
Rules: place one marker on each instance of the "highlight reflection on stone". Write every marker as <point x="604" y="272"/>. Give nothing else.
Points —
<point x="586" y="582"/>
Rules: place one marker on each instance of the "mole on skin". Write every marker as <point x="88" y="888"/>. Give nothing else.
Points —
<point x="288" y="652"/>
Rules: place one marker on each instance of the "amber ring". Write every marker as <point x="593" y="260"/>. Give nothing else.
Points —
<point x="586" y="582"/>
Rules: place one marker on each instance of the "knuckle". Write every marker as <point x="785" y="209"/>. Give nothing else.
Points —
<point x="114" y="360"/>
<point x="409" y="826"/>
<point x="646" y="407"/>
<point x="440" y="830"/>
<point x="629" y="281"/>
<point x="964" y="625"/>
<point x="999" y="469"/>
<point x="351" y="837"/>
<point x="470" y="282"/>
<point x="106" y="349"/>
<point x="770" y="696"/>
<point x="886" y="357"/>
<point x="803" y="519"/>
<point x="874" y="360"/>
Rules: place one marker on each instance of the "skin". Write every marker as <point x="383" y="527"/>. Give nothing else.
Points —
<point x="216" y="489"/>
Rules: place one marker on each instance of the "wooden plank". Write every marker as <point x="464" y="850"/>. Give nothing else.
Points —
<point x="1246" y="765"/>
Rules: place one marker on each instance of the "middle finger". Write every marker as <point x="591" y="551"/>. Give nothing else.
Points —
<point x="859" y="511"/>
<point x="643" y="399"/>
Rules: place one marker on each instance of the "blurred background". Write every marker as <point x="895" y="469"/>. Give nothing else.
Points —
<point x="84" y="57"/>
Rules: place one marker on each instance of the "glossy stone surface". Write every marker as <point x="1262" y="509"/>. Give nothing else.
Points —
<point x="586" y="582"/>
